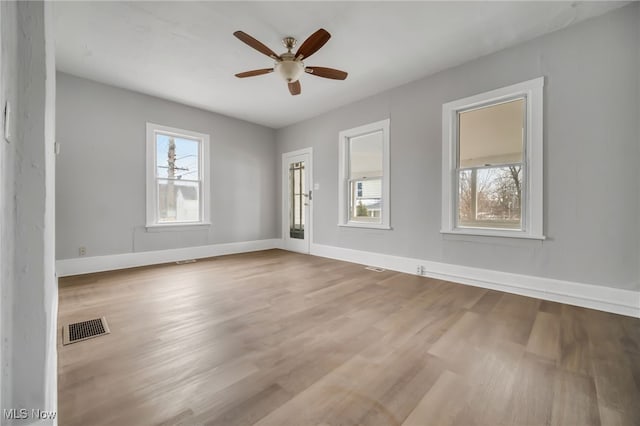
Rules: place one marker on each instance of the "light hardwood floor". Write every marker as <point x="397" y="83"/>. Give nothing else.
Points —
<point x="277" y="338"/>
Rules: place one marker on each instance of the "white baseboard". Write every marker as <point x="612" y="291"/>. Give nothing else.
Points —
<point x="87" y="265"/>
<point x="608" y="299"/>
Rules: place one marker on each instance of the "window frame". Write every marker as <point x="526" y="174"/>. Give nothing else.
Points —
<point x="344" y="175"/>
<point x="532" y="200"/>
<point x="203" y="139"/>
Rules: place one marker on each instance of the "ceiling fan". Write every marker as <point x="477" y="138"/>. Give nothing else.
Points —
<point x="290" y="65"/>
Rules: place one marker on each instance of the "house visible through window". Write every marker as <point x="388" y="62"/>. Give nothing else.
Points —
<point x="365" y="176"/>
<point x="492" y="163"/>
<point x="177" y="176"/>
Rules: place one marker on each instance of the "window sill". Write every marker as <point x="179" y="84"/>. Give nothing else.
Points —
<point x="494" y="233"/>
<point x="178" y="227"/>
<point x="365" y="225"/>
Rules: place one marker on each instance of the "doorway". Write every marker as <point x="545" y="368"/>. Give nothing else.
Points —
<point x="297" y="199"/>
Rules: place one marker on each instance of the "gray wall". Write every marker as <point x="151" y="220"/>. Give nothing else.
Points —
<point x="591" y="173"/>
<point x="638" y="121"/>
<point x="8" y="86"/>
<point x="100" y="177"/>
<point x="28" y="288"/>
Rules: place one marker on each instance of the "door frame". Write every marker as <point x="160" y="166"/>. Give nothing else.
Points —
<point x="308" y="226"/>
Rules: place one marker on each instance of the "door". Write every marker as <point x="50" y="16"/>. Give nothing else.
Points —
<point x="297" y="198"/>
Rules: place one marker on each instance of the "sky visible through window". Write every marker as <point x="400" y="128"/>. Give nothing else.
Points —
<point x="186" y="164"/>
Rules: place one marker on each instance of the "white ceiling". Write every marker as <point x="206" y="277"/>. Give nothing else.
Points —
<point x="186" y="51"/>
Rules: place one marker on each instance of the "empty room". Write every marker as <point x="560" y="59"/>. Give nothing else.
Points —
<point x="320" y="213"/>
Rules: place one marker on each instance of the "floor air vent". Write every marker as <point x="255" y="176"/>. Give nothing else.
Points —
<point x="79" y="331"/>
<point x="374" y="269"/>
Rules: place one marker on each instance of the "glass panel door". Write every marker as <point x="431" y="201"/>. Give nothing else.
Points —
<point x="297" y="204"/>
<point x="296" y="218"/>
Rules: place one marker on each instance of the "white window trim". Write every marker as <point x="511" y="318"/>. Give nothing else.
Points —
<point x="343" y="158"/>
<point x="152" y="194"/>
<point x="533" y="179"/>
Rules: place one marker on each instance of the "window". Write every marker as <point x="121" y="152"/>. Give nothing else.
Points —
<point x="492" y="163"/>
<point x="177" y="177"/>
<point x="364" y="176"/>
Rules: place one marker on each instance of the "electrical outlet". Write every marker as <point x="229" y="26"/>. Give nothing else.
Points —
<point x="82" y="251"/>
<point x="420" y="270"/>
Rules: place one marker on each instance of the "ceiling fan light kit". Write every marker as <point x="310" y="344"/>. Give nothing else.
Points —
<point x="290" y="65"/>
<point x="290" y="69"/>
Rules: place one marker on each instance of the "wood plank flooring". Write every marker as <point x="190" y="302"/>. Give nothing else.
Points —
<point x="277" y="338"/>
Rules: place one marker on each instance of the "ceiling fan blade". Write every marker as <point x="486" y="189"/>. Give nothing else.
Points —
<point x="246" y="38"/>
<point x="295" y="88"/>
<point x="254" y="72"/>
<point x="326" y="72"/>
<point x="313" y="43"/>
